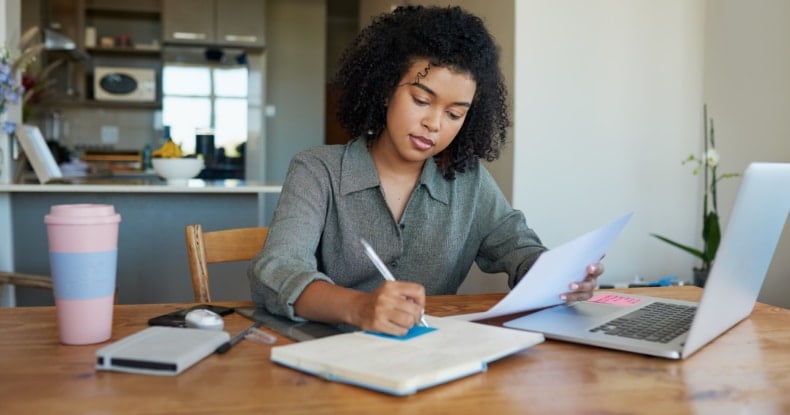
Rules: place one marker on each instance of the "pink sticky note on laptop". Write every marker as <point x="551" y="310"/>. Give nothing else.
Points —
<point x="615" y="299"/>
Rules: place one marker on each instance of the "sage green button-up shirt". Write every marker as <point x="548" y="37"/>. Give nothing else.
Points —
<point x="332" y="197"/>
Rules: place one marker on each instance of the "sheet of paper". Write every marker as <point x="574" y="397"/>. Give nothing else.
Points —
<point x="554" y="270"/>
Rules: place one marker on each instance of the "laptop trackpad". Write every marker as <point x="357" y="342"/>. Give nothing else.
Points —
<point x="582" y="315"/>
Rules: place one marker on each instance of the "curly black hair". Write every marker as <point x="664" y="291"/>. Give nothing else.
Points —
<point x="379" y="56"/>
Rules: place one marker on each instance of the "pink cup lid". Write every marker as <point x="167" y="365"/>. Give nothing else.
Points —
<point x="82" y="213"/>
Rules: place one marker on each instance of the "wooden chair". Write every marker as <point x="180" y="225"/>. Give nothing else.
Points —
<point x="227" y="245"/>
<point x="24" y="280"/>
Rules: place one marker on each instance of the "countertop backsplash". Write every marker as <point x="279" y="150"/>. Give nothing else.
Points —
<point x="123" y="129"/>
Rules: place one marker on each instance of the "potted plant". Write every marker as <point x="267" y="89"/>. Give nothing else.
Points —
<point x="707" y="164"/>
<point x="11" y="89"/>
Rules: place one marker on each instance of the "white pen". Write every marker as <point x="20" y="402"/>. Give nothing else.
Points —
<point x="385" y="272"/>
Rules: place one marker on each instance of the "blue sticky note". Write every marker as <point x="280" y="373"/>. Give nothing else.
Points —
<point x="415" y="331"/>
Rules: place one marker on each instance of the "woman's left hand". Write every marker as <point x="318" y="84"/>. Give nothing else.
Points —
<point x="583" y="290"/>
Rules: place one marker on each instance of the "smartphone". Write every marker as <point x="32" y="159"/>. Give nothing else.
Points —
<point x="178" y="318"/>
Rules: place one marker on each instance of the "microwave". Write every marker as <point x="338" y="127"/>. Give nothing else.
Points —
<point x="124" y="84"/>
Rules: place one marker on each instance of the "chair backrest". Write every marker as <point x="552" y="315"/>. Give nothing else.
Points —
<point x="24" y="280"/>
<point x="227" y="245"/>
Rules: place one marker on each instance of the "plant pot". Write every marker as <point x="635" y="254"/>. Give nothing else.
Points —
<point x="700" y="276"/>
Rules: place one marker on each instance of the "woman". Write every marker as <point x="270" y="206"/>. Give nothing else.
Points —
<point x="421" y="93"/>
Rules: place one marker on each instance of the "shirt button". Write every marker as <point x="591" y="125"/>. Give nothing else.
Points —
<point x="394" y="264"/>
<point x="402" y="226"/>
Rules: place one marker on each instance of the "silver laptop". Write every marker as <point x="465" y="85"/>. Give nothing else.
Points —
<point x="611" y="320"/>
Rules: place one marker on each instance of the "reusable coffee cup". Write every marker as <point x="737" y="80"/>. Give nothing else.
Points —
<point x="83" y="257"/>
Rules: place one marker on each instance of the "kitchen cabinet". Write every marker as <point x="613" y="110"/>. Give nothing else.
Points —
<point x="112" y="34"/>
<point x="123" y="34"/>
<point x="188" y="21"/>
<point x="240" y="22"/>
<point x="233" y="23"/>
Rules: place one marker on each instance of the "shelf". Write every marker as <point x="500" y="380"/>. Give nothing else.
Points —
<point x="153" y="52"/>
<point x="130" y="156"/>
<point x="137" y="6"/>
<point x="92" y="103"/>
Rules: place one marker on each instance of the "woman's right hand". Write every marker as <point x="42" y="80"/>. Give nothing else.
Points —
<point x="393" y="308"/>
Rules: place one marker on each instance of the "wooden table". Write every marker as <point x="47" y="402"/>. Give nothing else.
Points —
<point x="746" y="371"/>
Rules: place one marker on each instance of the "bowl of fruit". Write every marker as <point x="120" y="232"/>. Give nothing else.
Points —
<point x="170" y="164"/>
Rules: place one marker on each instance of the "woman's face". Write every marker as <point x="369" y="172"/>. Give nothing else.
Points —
<point x="426" y="111"/>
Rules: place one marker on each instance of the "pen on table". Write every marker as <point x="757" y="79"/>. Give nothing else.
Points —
<point x="224" y="347"/>
<point x="385" y="272"/>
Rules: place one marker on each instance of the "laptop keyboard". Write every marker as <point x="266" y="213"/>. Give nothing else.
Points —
<point x="656" y="322"/>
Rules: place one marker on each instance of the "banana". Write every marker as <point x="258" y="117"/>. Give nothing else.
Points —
<point x="168" y="150"/>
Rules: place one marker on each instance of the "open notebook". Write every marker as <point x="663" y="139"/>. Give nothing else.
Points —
<point x="448" y="350"/>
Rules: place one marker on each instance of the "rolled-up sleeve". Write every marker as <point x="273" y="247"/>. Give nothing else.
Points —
<point x="507" y="243"/>
<point x="287" y="263"/>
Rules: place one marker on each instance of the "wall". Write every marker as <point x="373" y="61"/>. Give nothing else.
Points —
<point x="747" y="87"/>
<point x="608" y="102"/>
<point x="295" y="80"/>
<point x="342" y="25"/>
<point x="83" y="125"/>
<point x="295" y="84"/>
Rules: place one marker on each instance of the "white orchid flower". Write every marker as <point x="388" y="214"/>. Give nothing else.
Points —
<point x="712" y="157"/>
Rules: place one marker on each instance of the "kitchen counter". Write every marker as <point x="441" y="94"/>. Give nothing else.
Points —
<point x="152" y="262"/>
<point x="145" y="185"/>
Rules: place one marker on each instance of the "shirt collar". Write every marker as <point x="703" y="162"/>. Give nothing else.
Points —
<point x="358" y="173"/>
